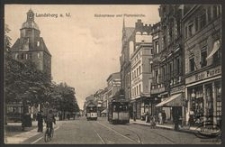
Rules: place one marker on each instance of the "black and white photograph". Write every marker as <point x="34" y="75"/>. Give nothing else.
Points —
<point x="112" y="74"/>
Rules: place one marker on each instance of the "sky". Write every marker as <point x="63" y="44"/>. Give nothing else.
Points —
<point x="85" y="43"/>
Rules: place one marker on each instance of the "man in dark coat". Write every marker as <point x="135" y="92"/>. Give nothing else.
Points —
<point x="40" y="121"/>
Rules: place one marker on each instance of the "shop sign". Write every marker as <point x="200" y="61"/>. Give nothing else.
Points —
<point x="204" y="75"/>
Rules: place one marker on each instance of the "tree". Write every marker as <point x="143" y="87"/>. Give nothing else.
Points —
<point x="63" y="98"/>
<point x="22" y="80"/>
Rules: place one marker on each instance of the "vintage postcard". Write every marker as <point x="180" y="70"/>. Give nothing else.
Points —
<point x="112" y="74"/>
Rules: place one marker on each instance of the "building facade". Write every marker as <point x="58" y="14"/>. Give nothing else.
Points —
<point x="141" y="56"/>
<point x="30" y="46"/>
<point x="113" y="85"/>
<point x="202" y="29"/>
<point x="168" y="82"/>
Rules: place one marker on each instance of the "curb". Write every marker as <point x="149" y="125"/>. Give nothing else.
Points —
<point x="167" y="128"/>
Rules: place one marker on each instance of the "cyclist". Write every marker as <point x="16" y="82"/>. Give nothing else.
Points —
<point x="50" y="119"/>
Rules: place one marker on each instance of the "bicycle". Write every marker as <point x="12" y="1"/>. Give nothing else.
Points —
<point x="48" y="133"/>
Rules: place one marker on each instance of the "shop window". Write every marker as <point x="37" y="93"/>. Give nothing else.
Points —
<point x="203" y="57"/>
<point x="209" y="101"/>
<point x="192" y="64"/>
<point x="197" y="102"/>
<point x="218" y="102"/>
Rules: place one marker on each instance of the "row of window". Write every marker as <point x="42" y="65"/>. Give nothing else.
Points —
<point x="217" y="58"/>
<point x="25" y="56"/>
<point x="136" y="72"/>
<point x="136" y="91"/>
<point x="167" y="71"/>
<point x="201" y="20"/>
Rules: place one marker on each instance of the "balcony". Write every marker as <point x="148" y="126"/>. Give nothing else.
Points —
<point x="159" y="88"/>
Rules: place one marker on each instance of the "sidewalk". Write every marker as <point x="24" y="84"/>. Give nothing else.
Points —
<point x="13" y="133"/>
<point x="166" y="126"/>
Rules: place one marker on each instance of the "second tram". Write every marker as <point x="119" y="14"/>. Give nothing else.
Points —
<point x="118" y="111"/>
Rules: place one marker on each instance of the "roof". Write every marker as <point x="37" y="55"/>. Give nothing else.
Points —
<point x="18" y="45"/>
<point x="113" y="76"/>
<point x="129" y="31"/>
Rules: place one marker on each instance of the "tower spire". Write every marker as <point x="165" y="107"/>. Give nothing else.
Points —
<point x="123" y="23"/>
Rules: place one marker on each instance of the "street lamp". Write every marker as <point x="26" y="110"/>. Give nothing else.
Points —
<point x="193" y="95"/>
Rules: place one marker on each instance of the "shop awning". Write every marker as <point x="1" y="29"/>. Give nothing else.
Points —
<point x="104" y="111"/>
<point x="216" y="46"/>
<point x="174" y="100"/>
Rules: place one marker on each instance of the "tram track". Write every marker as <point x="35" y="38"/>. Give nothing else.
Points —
<point x="138" y="136"/>
<point x="99" y="136"/>
<point x="128" y="138"/>
<point x="159" y="134"/>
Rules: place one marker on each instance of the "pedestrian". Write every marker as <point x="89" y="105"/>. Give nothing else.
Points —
<point x="191" y="118"/>
<point x="152" y="122"/>
<point x="134" y="116"/>
<point x="160" y="118"/>
<point x="163" y="116"/>
<point x="40" y="121"/>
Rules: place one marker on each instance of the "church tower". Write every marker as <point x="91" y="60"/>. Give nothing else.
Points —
<point x="30" y="46"/>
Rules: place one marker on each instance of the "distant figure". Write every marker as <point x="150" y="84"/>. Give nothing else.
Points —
<point x="134" y="116"/>
<point x="160" y="118"/>
<point x="163" y="117"/>
<point x="191" y="118"/>
<point x="152" y="122"/>
<point x="40" y="121"/>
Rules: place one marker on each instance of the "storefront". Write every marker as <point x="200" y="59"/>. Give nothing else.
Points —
<point x="173" y="106"/>
<point x="204" y="96"/>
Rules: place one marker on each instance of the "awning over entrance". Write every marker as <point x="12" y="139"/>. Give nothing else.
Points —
<point x="174" y="100"/>
<point x="216" y="46"/>
<point x="104" y="111"/>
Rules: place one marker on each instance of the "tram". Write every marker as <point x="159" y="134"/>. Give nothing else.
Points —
<point x="118" y="111"/>
<point x="91" y="111"/>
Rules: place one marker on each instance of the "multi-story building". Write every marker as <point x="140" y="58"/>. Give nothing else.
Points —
<point x="141" y="56"/>
<point x="168" y="84"/>
<point x="31" y="47"/>
<point x="113" y="85"/>
<point x="125" y="65"/>
<point x="155" y="66"/>
<point x="104" y="102"/>
<point x="202" y="29"/>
